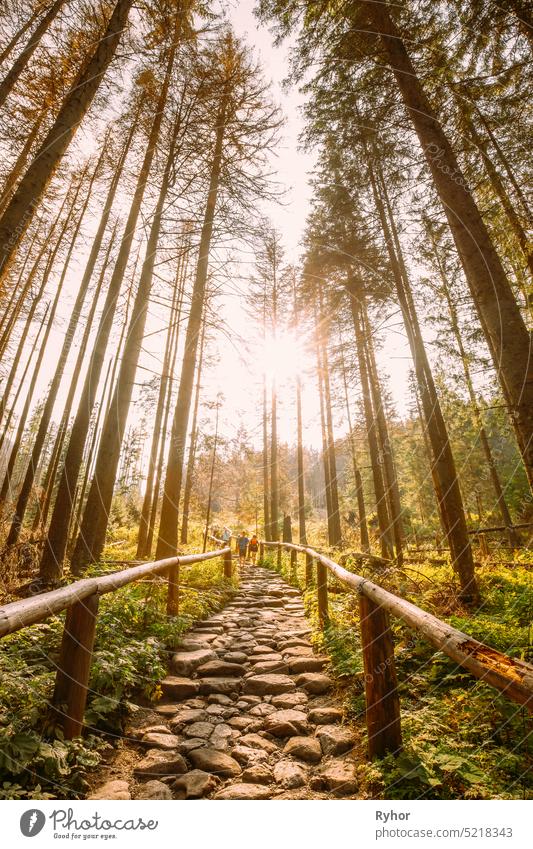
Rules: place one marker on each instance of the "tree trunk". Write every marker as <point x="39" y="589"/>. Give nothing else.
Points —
<point x="29" y="396"/>
<point x="387" y="550"/>
<point x="27" y="365"/>
<point x="325" y="455"/>
<point x="22" y="60"/>
<point x="167" y="543"/>
<point x="54" y="551"/>
<point x="496" y="483"/>
<point x="266" y="468"/>
<point x="445" y="477"/>
<point x="336" y="535"/>
<point x="157" y="434"/>
<point x="22" y="205"/>
<point x="46" y="415"/>
<point x="193" y="441"/>
<point x="501" y="193"/>
<point x="166" y="415"/>
<point x="43" y="505"/>
<point x="10" y="46"/>
<point x="498" y="311"/>
<point x="389" y="469"/>
<point x="93" y="529"/>
<point x="211" y="479"/>
<point x="20" y="164"/>
<point x="358" y="483"/>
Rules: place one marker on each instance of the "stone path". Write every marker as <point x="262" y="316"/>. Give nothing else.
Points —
<point x="247" y="711"/>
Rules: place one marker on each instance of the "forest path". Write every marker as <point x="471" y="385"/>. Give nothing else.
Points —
<point x="247" y="713"/>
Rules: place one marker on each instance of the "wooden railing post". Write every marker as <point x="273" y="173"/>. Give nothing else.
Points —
<point x="322" y="593"/>
<point x="381" y="685"/>
<point x="74" y="666"/>
<point x="279" y="555"/>
<point x="173" y="594"/>
<point x="294" y="564"/>
<point x="228" y="565"/>
<point x="261" y="552"/>
<point x="308" y="571"/>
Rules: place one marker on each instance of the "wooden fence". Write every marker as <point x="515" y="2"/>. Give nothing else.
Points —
<point x="513" y="677"/>
<point x="80" y="600"/>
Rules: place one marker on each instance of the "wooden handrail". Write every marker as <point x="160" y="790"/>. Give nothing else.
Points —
<point x="513" y="677"/>
<point x="80" y="600"/>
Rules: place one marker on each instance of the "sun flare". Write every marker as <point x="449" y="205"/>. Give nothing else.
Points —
<point x="283" y="357"/>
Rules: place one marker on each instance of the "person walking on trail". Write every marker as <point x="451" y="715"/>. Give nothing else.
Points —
<point x="253" y="548"/>
<point x="242" y="544"/>
<point x="226" y="535"/>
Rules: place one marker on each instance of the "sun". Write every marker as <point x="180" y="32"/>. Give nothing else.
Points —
<point x="282" y="357"/>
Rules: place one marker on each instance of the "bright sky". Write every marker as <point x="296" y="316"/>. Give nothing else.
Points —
<point x="236" y="374"/>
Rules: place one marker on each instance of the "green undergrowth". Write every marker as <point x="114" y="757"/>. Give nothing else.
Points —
<point x="134" y="639"/>
<point x="461" y="738"/>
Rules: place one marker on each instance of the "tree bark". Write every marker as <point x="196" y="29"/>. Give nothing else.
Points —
<point x="22" y="205"/>
<point x="336" y="531"/>
<point x="445" y="476"/>
<point x="20" y="164"/>
<point x="193" y="442"/>
<point x="498" y="311"/>
<point x="22" y="60"/>
<point x="389" y="469"/>
<point x="358" y="483"/>
<point x="46" y="415"/>
<point x="384" y="524"/>
<point x="93" y="529"/>
<point x="54" y="550"/>
<point x="167" y="543"/>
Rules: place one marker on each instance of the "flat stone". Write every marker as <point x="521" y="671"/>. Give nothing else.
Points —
<point x="112" y="790"/>
<point x="290" y="700"/>
<point x="222" y="686"/>
<point x="216" y="710"/>
<point x="184" y="663"/>
<point x="168" y="710"/>
<point x="298" y="651"/>
<point x="334" y="739"/>
<point x="305" y="749"/>
<point x="314" y="683"/>
<point x="179" y="688"/>
<point x="276" y="667"/>
<point x="235" y="657"/>
<point x="193" y="644"/>
<point x="218" y="763"/>
<point x="160" y="741"/>
<point x="196" y="784"/>
<point x="221" y="736"/>
<point x="339" y="777"/>
<point x="244" y="791"/>
<point x="219" y="699"/>
<point x="258" y="773"/>
<point x="255" y="741"/>
<point x="325" y="715"/>
<point x="202" y="730"/>
<point x="286" y="723"/>
<point x="289" y="775"/>
<point x="266" y="658"/>
<point x="159" y="762"/>
<point x="220" y="669"/>
<point x="261" y="685"/>
<point x="262" y="709"/>
<point x="297" y="665"/>
<point x="187" y="746"/>
<point x="247" y="756"/>
<point x="241" y="722"/>
<point x="154" y="790"/>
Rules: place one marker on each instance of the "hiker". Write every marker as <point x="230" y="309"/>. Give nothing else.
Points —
<point x="226" y="535"/>
<point x="253" y="548"/>
<point x="242" y="543"/>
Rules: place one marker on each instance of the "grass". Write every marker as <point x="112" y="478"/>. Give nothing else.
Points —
<point x="462" y="738"/>
<point x="134" y="639"/>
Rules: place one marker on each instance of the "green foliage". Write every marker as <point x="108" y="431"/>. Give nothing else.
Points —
<point x="133" y="640"/>
<point x="462" y="739"/>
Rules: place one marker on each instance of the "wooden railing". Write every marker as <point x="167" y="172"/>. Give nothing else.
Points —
<point x="80" y="600"/>
<point x="513" y="677"/>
